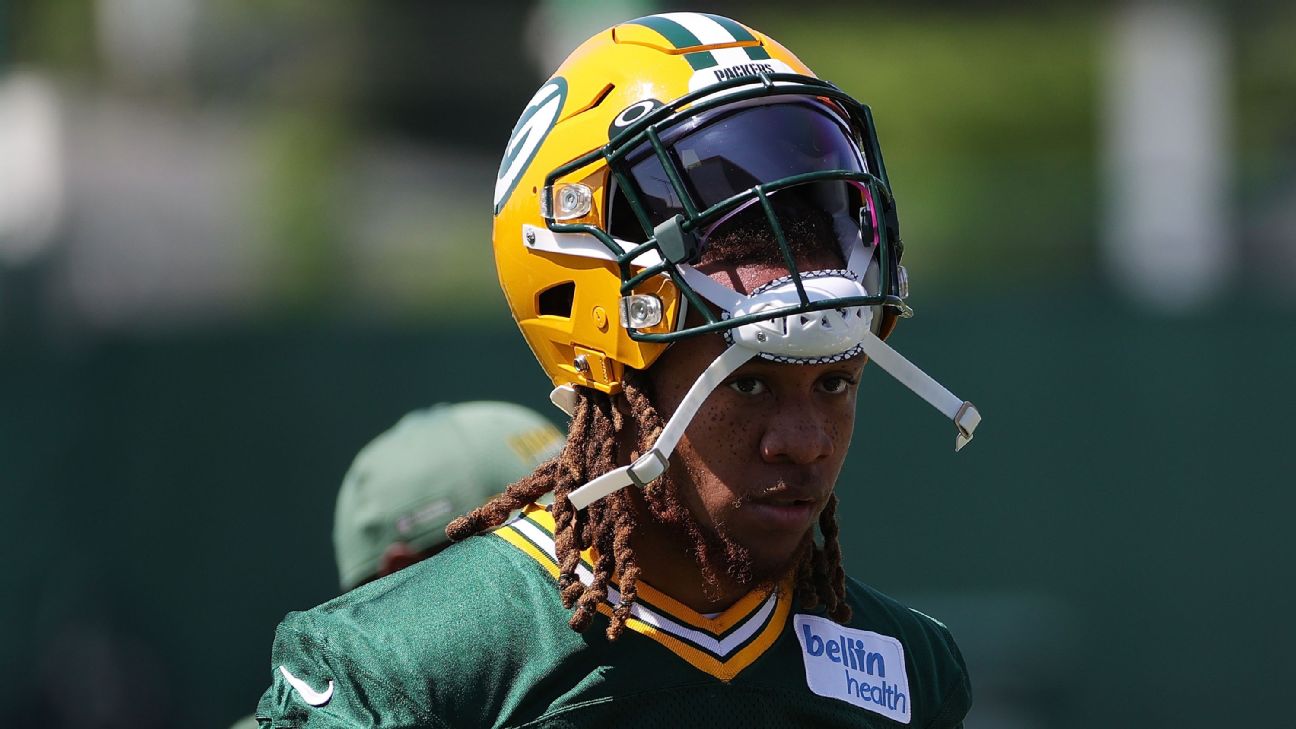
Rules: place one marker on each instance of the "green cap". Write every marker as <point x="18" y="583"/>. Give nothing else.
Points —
<point x="431" y="467"/>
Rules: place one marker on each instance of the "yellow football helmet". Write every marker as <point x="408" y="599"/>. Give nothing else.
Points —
<point x="645" y="141"/>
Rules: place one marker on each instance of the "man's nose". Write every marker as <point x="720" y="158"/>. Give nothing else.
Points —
<point x="798" y="433"/>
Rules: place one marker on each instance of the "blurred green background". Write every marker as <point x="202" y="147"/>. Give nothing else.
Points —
<point x="238" y="240"/>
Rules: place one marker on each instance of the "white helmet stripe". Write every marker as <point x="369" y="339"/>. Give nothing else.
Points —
<point x="709" y="32"/>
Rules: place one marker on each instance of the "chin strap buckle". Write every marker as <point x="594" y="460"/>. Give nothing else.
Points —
<point x="966" y="420"/>
<point x="646" y="469"/>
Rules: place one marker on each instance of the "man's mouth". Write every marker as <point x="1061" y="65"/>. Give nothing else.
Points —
<point x="782" y="511"/>
<point x="783" y="501"/>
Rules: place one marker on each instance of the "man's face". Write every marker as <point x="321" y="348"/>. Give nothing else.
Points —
<point x="757" y="464"/>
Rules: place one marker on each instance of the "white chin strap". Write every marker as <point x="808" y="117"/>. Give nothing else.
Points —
<point x="963" y="413"/>
<point x="822" y="336"/>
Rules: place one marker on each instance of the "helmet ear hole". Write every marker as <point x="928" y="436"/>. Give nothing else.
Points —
<point x="557" y="300"/>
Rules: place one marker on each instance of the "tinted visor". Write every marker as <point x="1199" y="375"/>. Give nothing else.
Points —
<point x="730" y="150"/>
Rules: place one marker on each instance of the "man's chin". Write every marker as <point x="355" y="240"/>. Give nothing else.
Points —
<point x="754" y="566"/>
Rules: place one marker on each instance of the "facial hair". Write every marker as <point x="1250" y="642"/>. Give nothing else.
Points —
<point x="713" y="549"/>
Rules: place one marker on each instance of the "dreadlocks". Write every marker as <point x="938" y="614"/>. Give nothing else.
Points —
<point x="599" y="424"/>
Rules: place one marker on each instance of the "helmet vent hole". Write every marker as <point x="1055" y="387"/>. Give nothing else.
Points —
<point x="598" y="99"/>
<point x="557" y="300"/>
<point x="602" y="95"/>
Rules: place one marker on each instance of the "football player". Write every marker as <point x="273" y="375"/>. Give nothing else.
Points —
<point x="698" y="240"/>
<point x="435" y="464"/>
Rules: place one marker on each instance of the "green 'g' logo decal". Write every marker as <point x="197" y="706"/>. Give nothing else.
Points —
<point x="539" y="116"/>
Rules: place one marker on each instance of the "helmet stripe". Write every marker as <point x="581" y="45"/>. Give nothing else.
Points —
<point x="689" y="30"/>
<point x="701" y="60"/>
<point x="703" y="27"/>
<point x="741" y="34"/>
<point x="734" y="29"/>
<point x="678" y="36"/>
<point x="710" y="31"/>
<point x="674" y="33"/>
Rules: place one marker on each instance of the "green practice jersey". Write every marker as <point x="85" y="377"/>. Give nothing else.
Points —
<point x="477" y="637"/>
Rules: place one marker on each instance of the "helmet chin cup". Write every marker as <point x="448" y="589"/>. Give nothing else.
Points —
<point x="808" y="335"/>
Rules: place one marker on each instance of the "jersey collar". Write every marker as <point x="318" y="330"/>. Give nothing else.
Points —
<point x="721" y="646"/>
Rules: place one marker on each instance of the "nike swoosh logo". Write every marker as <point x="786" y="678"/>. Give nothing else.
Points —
<point x="308" y="694"/>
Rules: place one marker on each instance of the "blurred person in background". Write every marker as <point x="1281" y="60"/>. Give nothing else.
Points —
<point x="435" y="464"/>
<point x="665" y="587"/>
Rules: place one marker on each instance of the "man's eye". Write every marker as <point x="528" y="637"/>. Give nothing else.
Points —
<point x="835" y="384"/>
<point x="748" y="386"/>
